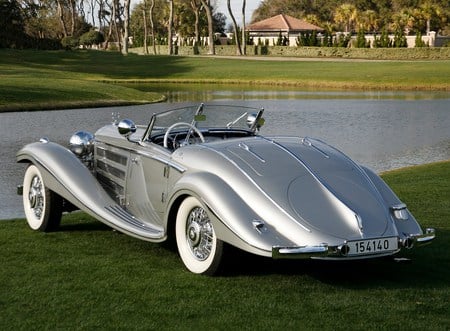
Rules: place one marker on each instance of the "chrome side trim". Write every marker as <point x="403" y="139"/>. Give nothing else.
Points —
<point x="170" y="163"/>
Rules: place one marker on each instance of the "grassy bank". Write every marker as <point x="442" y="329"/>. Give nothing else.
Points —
<point x="59" y="79"/>
<point x="86" y="277"/>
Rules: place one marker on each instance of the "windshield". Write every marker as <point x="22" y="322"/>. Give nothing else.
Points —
<point x="206" y="117"/>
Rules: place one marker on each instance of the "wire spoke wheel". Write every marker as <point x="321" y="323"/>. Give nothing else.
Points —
<point x="199" y="248"/>
<point x="43" y="208"/>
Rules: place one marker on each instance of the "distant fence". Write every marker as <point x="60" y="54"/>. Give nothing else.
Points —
<point x="431" y="39"/>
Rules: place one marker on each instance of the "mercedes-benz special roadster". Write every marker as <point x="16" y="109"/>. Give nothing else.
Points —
<point x="204" y="176"/>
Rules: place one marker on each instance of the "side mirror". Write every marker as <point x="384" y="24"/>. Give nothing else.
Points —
<point x="126" y="128"/>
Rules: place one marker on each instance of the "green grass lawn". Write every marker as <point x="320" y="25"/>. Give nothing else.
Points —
<point x="60" y="79"/>
<point x="86" y="276"/>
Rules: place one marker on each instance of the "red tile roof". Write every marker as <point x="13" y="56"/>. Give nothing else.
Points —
<point x="283" y="23"/>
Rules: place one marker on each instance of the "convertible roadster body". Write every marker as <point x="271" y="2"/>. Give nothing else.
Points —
<point x="205" y="176"/>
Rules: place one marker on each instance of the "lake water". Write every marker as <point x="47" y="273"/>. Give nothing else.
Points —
<point x="382" y="130"/>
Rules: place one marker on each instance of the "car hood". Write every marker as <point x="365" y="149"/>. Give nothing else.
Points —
<point x="313" y="183"/>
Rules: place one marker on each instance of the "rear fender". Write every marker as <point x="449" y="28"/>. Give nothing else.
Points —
<point x="404" y="227"/>
<point x="234" y="221"/>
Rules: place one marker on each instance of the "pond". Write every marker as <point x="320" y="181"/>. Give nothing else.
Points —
<point x="382" y="130"/>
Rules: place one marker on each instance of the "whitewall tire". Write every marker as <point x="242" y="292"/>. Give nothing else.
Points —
<point x="43" y="208"/>
<point x="198" y="246"/>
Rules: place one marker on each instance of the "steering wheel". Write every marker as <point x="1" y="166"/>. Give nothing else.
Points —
<point x="173" y="126"/>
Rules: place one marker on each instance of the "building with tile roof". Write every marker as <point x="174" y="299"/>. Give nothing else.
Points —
<point x="288" y="27"/>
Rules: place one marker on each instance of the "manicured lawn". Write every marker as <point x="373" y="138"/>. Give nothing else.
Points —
<point x="86" y="276"/>
<point x="60" y="79"/>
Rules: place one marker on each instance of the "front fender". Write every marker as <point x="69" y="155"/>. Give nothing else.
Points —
<point x="62" y="171"/>
<point x="66" y="175"/>
<point x="235" y="222"/>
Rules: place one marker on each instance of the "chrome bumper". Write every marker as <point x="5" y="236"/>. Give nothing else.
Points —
<point x="425" y="238"/>
<point x="324" y="251"/>
<point x="301" y="252"/>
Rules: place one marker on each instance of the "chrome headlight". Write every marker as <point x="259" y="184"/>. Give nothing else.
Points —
<point x="82" y="143"/>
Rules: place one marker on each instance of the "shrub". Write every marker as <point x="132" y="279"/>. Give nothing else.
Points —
<point x="91" y="38"/>
<point x="361" y="40"/>
<point x="400" y="39"/>
<point x="342" y="40"/>
<point x="70" y="42"/>
<point x="383" y="41"/>
<point x="419" y="41"/>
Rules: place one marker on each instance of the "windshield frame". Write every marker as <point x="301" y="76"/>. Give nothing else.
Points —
<point x="233" y="117"/>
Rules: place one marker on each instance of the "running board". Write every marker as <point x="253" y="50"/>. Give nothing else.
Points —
<point x="150" y="231"/>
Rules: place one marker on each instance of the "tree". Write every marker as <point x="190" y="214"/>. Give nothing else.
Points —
<point x="115" y="23"/>
<point x="346" y="14"/>
<point x="403" y="20"/>
<point x="196" y="7"/>
<point x="11" y="25"/>
<point x="152" y="25"/>
<point x="207" y="5"/>
<point x="244" y="37"/>
<point x="126" y="24"/>
<point x="369" y="20"/>
<point x="170" y="28"/>
<point x="235" y="28"/>
<point x="428" y="11"/>
<point x="144" y="18"/>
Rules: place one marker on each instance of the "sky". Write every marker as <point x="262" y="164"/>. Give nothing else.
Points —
<point x="236" y="7"/>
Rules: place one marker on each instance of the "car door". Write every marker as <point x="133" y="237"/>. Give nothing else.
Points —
<point x="146" y="184"/>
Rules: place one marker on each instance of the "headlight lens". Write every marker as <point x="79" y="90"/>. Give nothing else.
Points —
<point x="82" y="143"/>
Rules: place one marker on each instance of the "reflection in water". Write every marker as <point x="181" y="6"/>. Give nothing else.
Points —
<point x="382" y="130"/>
<point x="209" y="92"/>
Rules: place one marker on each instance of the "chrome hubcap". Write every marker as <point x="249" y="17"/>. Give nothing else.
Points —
<point x="36" y="197"/>
<point x="199" y="233"/>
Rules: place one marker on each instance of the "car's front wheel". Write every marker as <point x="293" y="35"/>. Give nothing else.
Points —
<point x="43" y="207"/>
<point x="198" y="245"/>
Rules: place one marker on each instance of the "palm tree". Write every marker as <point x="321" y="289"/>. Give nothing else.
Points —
<point x="427" y="10"/>
<point x="369" y="21"/>
<point x="346" y="14"/>
<point x="403" y="20"/>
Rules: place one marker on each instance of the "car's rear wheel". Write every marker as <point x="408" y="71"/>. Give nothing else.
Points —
<point x="43" y="207"/>
<point x="198" y="245"/>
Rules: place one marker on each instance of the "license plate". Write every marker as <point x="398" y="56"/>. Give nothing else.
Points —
<point x="372" y="246"/>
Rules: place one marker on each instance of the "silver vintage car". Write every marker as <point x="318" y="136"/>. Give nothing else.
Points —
<point x="204" y="176"/>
